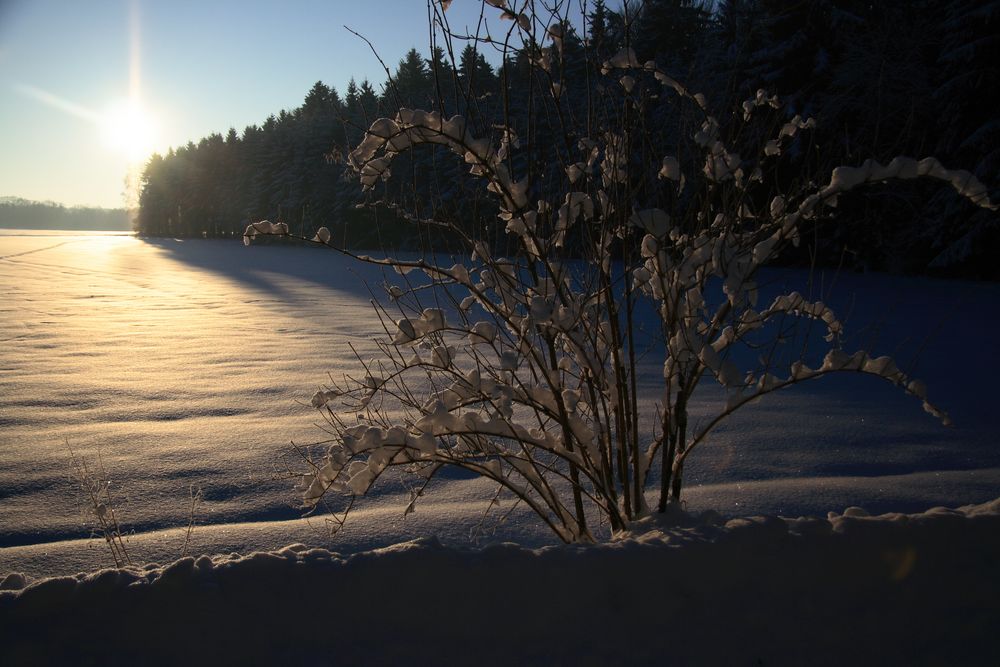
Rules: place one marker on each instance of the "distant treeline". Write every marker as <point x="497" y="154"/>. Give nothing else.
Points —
<point x="895" y="77"/>
<point x="16" y="213"/>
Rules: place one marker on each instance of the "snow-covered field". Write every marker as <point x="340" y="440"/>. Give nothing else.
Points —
<point x="189" y="364"/>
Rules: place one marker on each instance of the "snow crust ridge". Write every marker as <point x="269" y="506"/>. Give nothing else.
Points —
<point x="916" y="588"/>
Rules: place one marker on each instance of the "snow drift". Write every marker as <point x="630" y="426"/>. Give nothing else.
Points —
<point x="848" y="589"/>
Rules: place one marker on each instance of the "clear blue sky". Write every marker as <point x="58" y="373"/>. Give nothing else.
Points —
<point x="198" y="66"/>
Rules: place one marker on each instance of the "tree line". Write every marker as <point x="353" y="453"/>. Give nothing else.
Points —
<point x="17" y="213"/>
<point x="881" y="79"/>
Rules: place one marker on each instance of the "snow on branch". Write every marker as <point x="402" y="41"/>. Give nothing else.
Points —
<point x="532" y="370"/>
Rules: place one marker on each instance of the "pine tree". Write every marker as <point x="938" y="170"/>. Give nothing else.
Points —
<point x="351" y="97"/>
<point x="739" y="34"/>
<point x="411" y="84"/>
<point x="672" y="31"/>
<point x="598" y="32"/>
<point x="969" y="133"/>
<point x="317" y="100"/>
<point x="969" y="68"/>
<point x="368" y="101"/>
<point x="474" y="73"/>
<point x="441" y="75"/>
<point x="794" y="60"/>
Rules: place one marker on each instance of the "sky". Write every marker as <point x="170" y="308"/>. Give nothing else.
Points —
<point x="88" y="90"/>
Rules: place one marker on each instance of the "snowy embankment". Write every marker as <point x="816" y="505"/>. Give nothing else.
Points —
<point x="850" y="589"/>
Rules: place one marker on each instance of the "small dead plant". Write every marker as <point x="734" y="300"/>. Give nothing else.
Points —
<point x="97" y="490"/>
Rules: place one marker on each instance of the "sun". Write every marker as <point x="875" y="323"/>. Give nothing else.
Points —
<point x="129" y="130"/>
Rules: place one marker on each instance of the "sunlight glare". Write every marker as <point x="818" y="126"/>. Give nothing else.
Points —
<point x="129" y="129"/>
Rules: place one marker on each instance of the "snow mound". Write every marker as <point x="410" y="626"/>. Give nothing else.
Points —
<point x="846" y="589"/>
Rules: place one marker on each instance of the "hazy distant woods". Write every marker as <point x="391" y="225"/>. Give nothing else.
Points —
<point x="891" y="77"/>
<point x="16" y="213"/>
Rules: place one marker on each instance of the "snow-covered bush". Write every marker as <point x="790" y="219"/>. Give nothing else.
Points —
<point x="522" y="364"/>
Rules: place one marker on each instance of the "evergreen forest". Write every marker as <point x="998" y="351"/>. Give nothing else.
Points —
<point x="881" y="79"/>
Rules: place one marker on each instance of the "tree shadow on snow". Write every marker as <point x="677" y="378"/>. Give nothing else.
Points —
<point x="266" y="265"/>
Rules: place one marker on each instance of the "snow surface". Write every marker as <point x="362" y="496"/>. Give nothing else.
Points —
<point x="192" y="363"/>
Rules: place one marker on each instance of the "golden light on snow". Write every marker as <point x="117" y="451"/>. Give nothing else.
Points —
<point x="130" y="130"/>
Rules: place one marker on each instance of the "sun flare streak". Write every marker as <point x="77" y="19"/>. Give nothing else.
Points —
<point x="59" y="103"/>
<point x="126" y="126"/>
